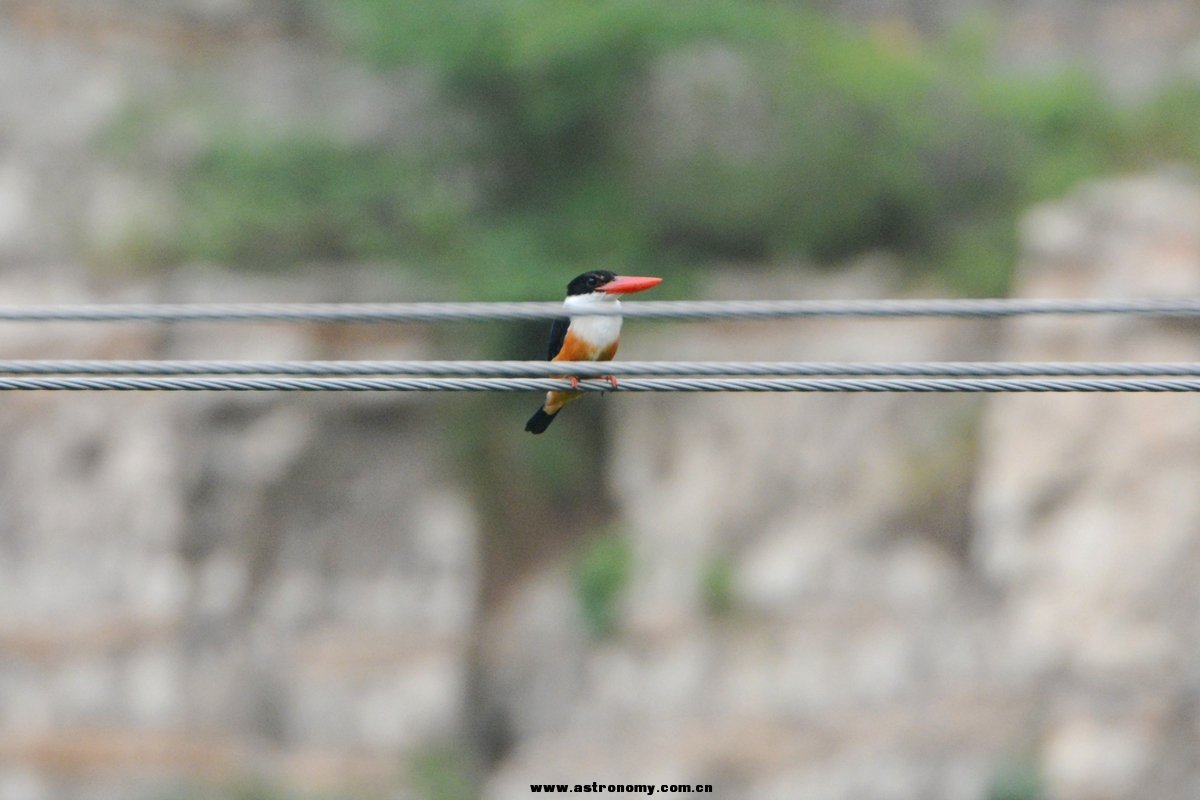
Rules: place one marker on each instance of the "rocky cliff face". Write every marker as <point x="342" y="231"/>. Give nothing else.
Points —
<point x="931" y="597"/>
<point x="836" y="597"/>
<point x="841" y="522"/>
<point x="74" y="75"/>
<point x="195" y="588"/>
<point x="83" y="83"/>
<point x="1087" y="513"/>
<point x="830" y="597"/>
<point x="1132" y="46"/>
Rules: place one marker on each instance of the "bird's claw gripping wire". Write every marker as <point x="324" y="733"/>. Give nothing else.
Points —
<point x="612" y="381"/>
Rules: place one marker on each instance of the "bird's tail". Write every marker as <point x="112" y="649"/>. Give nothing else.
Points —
<point x="539" y="421"/>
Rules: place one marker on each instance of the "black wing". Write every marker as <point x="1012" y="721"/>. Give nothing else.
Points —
<point x="558" y="334"/>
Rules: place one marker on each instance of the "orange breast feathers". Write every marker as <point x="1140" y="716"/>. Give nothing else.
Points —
<point x="576" y="349"/>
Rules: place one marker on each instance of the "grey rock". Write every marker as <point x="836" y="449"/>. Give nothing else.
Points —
<point x="1134" y="47"/>
<point x="874" y="645"/>
<point x="1086" y="511"/>
<point x="291" y="572"/>
<point x="839" y="578"/>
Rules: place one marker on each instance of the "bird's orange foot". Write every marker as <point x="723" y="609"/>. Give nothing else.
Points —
<point x="612" y="380"/>
<point x="574" y="379"/>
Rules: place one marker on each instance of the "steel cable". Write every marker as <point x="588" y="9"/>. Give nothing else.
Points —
<point x="535" y="369"/>
<point x="296" y="384"/>
<point x="678" y="310"/>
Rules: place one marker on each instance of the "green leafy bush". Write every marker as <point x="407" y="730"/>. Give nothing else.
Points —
<point x="1019" y="780"/>
<point x="443" y="773"/>
<point x="273" y="202"/>
<point x="649" y="135"/>
<point x="601" y="577"/>
<point x="1168" y="127"/>
<point x="859" y="147"/>
<point x="717" y="586"/>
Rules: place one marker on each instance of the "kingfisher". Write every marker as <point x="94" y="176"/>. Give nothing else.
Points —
<point x="586" y="338"/>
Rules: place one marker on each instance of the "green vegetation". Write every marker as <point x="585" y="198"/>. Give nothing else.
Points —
<point x="774" y="134"/>
<point x="443" y="774"/>
<point x="791" y="137"/>
<point x="1019" y="780"/>
<point x="271" y="203"/>
<point x="601" y="577"/>
<point x="716" y="586"/>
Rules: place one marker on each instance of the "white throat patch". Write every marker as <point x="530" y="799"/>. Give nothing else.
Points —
<point x="599" y="332"/>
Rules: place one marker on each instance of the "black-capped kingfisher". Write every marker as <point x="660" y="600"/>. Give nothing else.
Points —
<point x="586" y="338"/>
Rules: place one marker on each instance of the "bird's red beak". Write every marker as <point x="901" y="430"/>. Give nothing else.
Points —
<point x="627" y="284"/>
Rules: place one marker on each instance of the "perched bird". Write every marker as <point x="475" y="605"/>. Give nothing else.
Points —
<point x="586" y="338"/>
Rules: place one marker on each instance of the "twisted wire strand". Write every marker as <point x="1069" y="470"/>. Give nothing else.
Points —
<point x="292" y="384"/>
<point x="583" y="369"/>
<point x="677" y="310"/>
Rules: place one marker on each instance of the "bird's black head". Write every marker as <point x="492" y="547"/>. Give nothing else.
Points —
<point x="590" y="282"/>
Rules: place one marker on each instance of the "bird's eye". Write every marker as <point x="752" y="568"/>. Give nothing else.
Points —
<point x="592" y="281"/>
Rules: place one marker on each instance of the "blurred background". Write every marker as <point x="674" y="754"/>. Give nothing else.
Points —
<point x="278" y="597"/>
